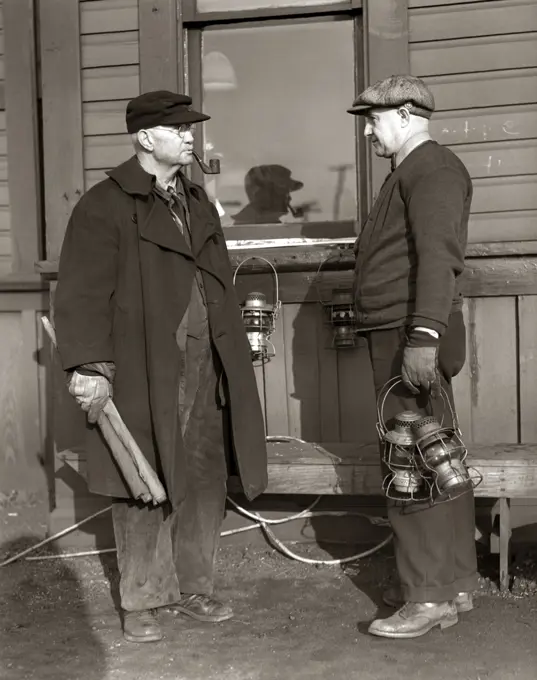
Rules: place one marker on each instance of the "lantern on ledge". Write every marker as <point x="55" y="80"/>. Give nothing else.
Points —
<point x="340" y="312"/>
<point x="259" y="316"/>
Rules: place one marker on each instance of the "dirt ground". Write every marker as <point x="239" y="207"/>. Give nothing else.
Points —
<point x="293" y="621"/>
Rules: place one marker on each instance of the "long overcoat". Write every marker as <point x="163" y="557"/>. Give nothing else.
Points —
<point x="124" y="284"/>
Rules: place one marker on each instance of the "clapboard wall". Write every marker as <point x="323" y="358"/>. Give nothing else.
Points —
<point x="480" y="61"/>
<point x="5" y="235"/>
<point x="110" y="76"/>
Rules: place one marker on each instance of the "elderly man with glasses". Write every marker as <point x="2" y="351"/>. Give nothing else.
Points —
<point x="145" y="304"/>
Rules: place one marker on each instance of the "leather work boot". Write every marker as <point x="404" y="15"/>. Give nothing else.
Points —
<point x="415" y="619"/>
<point x="141" y="627"/>
<point x="393" y="598"/>
<point x="201" y="608"/>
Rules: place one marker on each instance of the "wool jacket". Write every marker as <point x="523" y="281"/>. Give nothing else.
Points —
<point x="410" y="253"/>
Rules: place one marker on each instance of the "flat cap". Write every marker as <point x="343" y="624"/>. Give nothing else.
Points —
<point x="161" y="107"/>
<point x="393" y="92"/>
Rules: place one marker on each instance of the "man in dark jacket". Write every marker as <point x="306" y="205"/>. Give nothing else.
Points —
<point x="145" y="304"/>
<point x="409" y="257"/>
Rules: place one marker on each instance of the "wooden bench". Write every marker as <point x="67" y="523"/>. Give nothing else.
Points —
<point x="508" y="470"/>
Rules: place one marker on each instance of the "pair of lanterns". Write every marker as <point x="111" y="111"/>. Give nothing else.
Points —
<point x="259" y="316"/>
<point x="425" y="459"/>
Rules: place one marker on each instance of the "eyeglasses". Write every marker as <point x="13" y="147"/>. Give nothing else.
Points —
<point x="180" y="130"/>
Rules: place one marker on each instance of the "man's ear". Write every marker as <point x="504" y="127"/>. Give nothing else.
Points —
<point x="404" y="115"/>
<point x="145" y="140"/>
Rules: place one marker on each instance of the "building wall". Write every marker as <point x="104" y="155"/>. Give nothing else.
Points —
<point x="5" y="236"/>
<point x="110" y="77"/>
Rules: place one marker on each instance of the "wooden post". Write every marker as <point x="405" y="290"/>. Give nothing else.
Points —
<point x="22" y="134"/>
<point x="505" y="541"/>
<point x="160" y="65"/>
<point x="386" y="53"/>
<point x="62" y="116"/>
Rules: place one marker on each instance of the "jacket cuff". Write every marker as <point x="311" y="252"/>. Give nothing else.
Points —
<point x="420" y="338"/>
<point x="433" y="324"/>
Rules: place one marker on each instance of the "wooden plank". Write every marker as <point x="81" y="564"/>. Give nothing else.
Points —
<point x="413" y="4"/>
<point x="31" y="427"/>
<point x="3" y="143"/>
<point x="109" y="49"/>
<point x="5" y="218"/>
<point x="495" y="88"/>
<point x="485" y="125"/>
<point x="6" y="246"/>
<point x="11" y="426"/>
<point x="470" y="55"/>
<point x="62" y="117"/>
<point x="159" y="65"/>
<point x="527" y="366"/>
<point x="105" y="152"/>
<point x="276" y="389"/>
<point x="386" y="52"/>
<point x="104" y="118"/>
<point x="299" y="328"/>
<point x="4" y="194"/>
<point x="108" y="16"/>
<point x="513" y="227"/>
<point x="505" y="536"/>
<point x="496" y="194"/>
<point x="113" y="82"/>
<point x="495" y="389"/>
<point x="357" y="401"/>
<point x="2" y="120"/>
<point x="499" y="159"/>
<point x="328" y="379"/>
<point x="22" y="132"/>
<point x="462" y="383"/>
<point x="3" y="168"/>
<point x="495" y="17"/>
<point x="92" y="177"/>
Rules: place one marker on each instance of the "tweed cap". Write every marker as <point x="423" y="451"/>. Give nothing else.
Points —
<point x="161" y="107"/>
<point x="393" y="92"/>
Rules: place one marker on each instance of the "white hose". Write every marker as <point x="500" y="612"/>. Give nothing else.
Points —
<point x="260" y="522"/>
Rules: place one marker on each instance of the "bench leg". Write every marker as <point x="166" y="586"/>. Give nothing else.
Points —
<point x="505" y="536"/>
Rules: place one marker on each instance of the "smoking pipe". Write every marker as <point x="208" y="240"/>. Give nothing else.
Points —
<point x="212" y="169"/>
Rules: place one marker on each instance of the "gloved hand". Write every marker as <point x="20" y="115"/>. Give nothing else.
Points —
<point x="91" y="393"/>
<point x="420" y="364"/>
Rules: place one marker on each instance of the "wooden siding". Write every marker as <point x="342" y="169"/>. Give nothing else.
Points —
<point x="5" y="222"/>
<point x="22" y="393"/>
<point x="110" y="63"/>
<point x="480" y="61"/>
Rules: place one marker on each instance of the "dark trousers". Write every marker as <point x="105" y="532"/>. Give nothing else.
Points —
<point x="434" y="544"/>
<point x="164" y="552"/>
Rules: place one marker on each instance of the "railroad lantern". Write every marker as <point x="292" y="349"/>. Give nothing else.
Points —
<point x="259" y="316"/>
<point x="403" y="479"/>
<point x="340" y="312"/>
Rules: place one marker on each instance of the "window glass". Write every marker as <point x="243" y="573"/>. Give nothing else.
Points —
<point x="230" y="5"/>
<point x="277" y="97"/>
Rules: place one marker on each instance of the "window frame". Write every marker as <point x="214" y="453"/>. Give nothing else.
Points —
<point x="194" y="23"/>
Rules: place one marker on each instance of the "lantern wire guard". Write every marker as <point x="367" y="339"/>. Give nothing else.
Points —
<point x="341" y="311"/>
<point x="259" y="317"/>
<point x="426" y="461"/>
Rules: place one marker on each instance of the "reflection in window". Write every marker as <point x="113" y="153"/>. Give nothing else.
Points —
<point x="278" y="96"/>
<point x="230" y="5"/>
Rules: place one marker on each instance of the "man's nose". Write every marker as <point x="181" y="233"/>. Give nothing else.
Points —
<point x="368" y="130"/>
<point x="188" y="137"/>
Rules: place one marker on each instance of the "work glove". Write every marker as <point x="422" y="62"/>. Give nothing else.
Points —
<point x="91" y="393"/>
<point x="420" y="364"/>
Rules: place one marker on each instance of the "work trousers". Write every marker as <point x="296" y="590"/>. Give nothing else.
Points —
<point x="434" y="543"/>
<point x="164" y="552"/>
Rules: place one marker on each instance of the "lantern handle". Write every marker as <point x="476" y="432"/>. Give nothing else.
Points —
<point x="277" y="303"/>
<point x="388" y="387"/>
<point x="338" y="256"/>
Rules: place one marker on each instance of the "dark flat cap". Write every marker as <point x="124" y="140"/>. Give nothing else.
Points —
<point x="161" y="108"/>
<point x="393" y="92"/>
